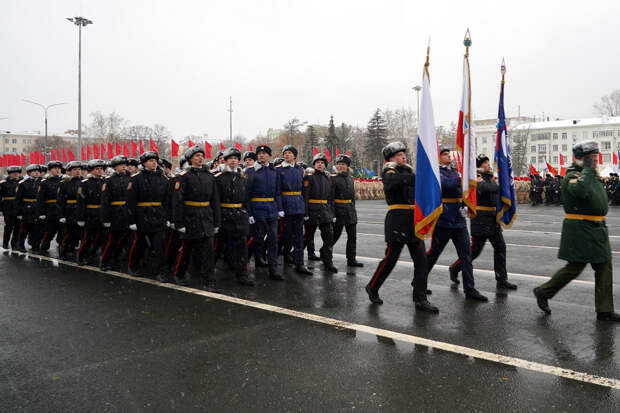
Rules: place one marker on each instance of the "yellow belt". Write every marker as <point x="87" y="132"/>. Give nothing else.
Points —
<point x="317" y="201"/>
<point x="147" y="204"/>
<point x="29" y="200"/>
<point x="197" y="204"/>
<point x="8" y="198"/>
<point x="451" y="200"/>
<point x="581" y="217"/>
<point x="224" y="205"/>
<point x="50" y="201"/>
<point x="342" y="201"/>
<point x="71" y="201"/>
<point x="91" y="206"/>
<point x="485" y="208"/>
<point x="118" y="202"/>
<point x="291" y="193"/>
<point x="401" y="206"/>
<point x="262" y="199"/>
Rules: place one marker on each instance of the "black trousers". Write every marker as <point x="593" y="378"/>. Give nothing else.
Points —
<point x="420" y="272"/>
<point x="91" y="241"/>
<point x="266" y="227"/>
<point x="11" y="231"/>
<point x="308" y="242"/>
<point x="327" y="235"/>
<point x="52" y="229"/>
<point x="234" y="248"/>
<point x="293" y="238"/>
<point x="200" y="250"/>
<point x="173" y="245"/>
<point x="460" y="239"/>
<point x="499" y="254"/>
<point x="115" y="243"/>
<point x="70" y="239"/>
<point x="351" y="238"/>
<point x="31" y="231"/>
<point x="140" y="245"/>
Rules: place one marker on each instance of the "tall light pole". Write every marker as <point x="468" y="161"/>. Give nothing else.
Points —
<point x="45" y="108"/>
<point x="417" y="88"/>
<point x="80" y="22"/>
<point x="230" y="111"/>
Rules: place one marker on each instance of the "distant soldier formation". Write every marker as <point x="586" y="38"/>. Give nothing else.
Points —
<point x="136" y="215"/>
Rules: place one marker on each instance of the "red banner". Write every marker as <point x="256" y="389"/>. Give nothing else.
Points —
<point x="208" y="148"/>
<point x="238" y="146"/>
<point x="70" y="155"/>
<point x="141" y="147"/>
<point x="125" y="149"/>
<point x="328" y="155"/>
<point x="174" y="148"/>
<point x="110" y="150"/>
<point x="117" y="148"/>
<point x="153" y="147"/>
<point x="190" y="143"/>
<point x="134" y="148"/>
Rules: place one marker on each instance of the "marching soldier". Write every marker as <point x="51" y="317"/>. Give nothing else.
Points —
<point x="46" y="203"/>
<point x="451" y="225"/>
<point x="166" y="165"/>
<point x="84" y="170"/>
<point x="196" y="214"/>
<point x="319" y="198"/>
<point x="89" y="211"/>
<point x="291" y="183"/>
<point x="264" y="207"/>
<point x="114" y="211"/>
<point x="233" y="235"/>
<point x="585" y="238"/>
<point x="173" y="243"/>
<point x="249" y="158"/>
<point x="26" y="197"/>
<point x="67" y="209"/>
<point x="10" y="207"/>
<point x="485" y="227"/>
<point x="399" y="188"/>
<point x="147" y="200"/>
<point x="344" y="206"/>
<point x="132" y="166"/>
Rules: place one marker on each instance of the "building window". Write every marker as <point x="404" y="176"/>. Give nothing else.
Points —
<point x="14" y="141"/>
<point x="585" y="134"/>
<point x="542" y="148"/>
<point x="555" y="136"/>
<point x="555" y="159"/>
<point x="533" y="148"/>
<point x="564" y="135"/>
<point x="541" y="159"/>
<point x="606" y="145"/>
<point x="606" y="157"/>
<point x="14" y="150"/>
<point x="533" y="159"/>
<point x="555" y="148"/>
<point x="6" y="140"/>
<point x="564" y="148"/>
<point x="484" y="140"/>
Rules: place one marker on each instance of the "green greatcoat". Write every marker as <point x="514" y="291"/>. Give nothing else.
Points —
<point x="582" y="240"/>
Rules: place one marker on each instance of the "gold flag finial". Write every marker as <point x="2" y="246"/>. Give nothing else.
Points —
<point x="467" y="42"/>
<point x="428" y="52"/>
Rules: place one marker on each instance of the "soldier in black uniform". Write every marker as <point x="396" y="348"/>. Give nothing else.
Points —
<point x="10" y="210"/>
<point x="344" y="206"/>
<point x="132" y="166"/>
<point x="319" y="198"/>
<point x="249" y="158"/>
<point x="549" y="192"/>
<point x="114" y="212"/>
<point x="196" y="214"/>
<point x="233" y="234"/>
<point x="147" y="203"/>
<point x="173" y="242"/>
<point x="46" y="203"/>
<point x="485" y="227"/>
<point x="67" y="209"/>
<point x="399" y="188"/>
<point x="89" y="211"/>
<point x="26" y="197"/>
<point x="166" y="165"/>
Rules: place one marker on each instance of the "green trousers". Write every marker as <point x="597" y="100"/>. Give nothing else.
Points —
<point x="603" y="283"/>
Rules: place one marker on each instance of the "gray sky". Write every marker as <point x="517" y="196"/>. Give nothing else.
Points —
<point x="176" y="62"/>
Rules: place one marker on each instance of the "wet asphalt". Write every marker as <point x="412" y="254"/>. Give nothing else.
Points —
<point x="73" y="339"/>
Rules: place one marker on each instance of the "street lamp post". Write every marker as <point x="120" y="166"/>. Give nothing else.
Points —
<point x="80" y="22"/>
<point x="45" y="108"/>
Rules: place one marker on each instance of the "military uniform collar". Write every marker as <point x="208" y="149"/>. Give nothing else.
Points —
<point x="285" y="164"/>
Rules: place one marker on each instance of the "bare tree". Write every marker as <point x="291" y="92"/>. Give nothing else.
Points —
<point x="106" y="127"/>
<point x="293" y="134"/>
<point x="609" y="104"/>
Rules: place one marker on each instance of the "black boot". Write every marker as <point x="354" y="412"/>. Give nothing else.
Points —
<point x="313" y="257"/>
<point x="354" y="263"/>
<point x="5" y="246"/>
<point x="543" y="302"/>
<point x="162" y="277"/>
<point x="276" y="276"/>
<point x="209" y="284"/>
<point x="105" y="267"/>
<point x="260" y="262"/>
<point x="505" y="285"/>
<point x="329" y="267"/>
<point x="454" y="275"/>
<point x="474" y="294"/>
<point x="244" y="279"/>
<point x="373" y="295"/>
<point x="288" y="259"/>
<point x="135" y="273"/>
<point x="303" y="270"/>
<point x="608" y="316"/>
<point x="183" y="281"/>
<point x="424" y="305"/>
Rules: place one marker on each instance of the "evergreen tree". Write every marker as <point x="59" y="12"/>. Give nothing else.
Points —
<point x="331" y="140"/>
<point x="312" y="140"/>
<point x="376" y="139"/>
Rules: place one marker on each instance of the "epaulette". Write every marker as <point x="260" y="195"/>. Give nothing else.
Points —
<point x="183" y="173"/>
<point x="279" y="166"/>
<point x="43" y="180"/>
<point x="136" y="174"/>
<point x="218" y="174"/>
<point x="309" y="171"/>
<point x="3" y="181"/>
<point x="84" y="180"/>
<point x="389" y="166"/>
<point x="335" y="174"/>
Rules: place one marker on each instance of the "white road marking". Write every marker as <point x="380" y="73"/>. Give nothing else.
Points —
<point x="340" y="324"/>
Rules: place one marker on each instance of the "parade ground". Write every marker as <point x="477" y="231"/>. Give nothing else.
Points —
<point x="81" y="340"/>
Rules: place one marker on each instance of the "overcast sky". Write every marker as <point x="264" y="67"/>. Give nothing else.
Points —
<point x="177" y="62"/>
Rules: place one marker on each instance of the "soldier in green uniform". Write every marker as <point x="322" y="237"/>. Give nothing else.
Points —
<point x="585" y="239"/>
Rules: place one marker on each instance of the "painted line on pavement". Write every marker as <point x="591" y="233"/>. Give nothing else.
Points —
<point x="340" y="324"/>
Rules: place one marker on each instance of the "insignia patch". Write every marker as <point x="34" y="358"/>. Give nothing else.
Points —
<point x="79" y="190"/>
<point x="306" y="183"/>
<point x="129" y="186"/>
<point x="177" y="185"/>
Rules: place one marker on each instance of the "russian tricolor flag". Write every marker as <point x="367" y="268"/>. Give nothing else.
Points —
<point x="428" y="204"/>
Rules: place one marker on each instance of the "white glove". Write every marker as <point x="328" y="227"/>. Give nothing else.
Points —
<point x="19" y="217"/>
<point x="63" y="220"/>
<point x="334" y="219"/>
<point x="80" y="223"/>
<point x="181" y="230"/>
<point x="133" y="227"/>
<point x="251" y="220"/>
<point x="168" y="224"/>
<point x="172" y="225"/>
<point x="306" y="218"/>
<point x="41" y="216"/>
<point x="107" y="225"/>
<point x="281" y="214"/>
<point x="463" y="211"/>
<point x="216" y="230"/>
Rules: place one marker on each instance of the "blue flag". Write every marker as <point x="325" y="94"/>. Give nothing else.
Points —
<point x="506" y="200"/>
